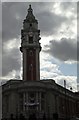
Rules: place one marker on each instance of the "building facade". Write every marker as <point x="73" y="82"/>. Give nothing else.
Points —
<point x="39" y="97"/>
<point x="32" y="95"/>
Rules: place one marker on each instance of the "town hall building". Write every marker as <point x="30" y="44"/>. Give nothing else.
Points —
<point x="32" y="95"/>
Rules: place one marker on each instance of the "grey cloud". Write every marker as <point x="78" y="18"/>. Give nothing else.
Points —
<point x="78" y="59"/>
<point x="39" y="0"/>
<point x="50" y="22"/>
<point x="69" y="6"/>
<point x="64" y="50"/>
<point x="69" y="83"/>
<point x="11" y="26"/>
<point x="0" y="39"/>
<point x="13" y="15"/>
<point x="11" y="61"/>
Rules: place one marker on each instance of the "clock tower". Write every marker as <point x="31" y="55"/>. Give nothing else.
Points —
<point x="30" y="47"/>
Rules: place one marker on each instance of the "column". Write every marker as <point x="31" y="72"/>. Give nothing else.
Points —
<point x="24" y="64"/>
<point x="27" y="100"/>
<point x="24" y="102"/>
<point x="37" y="65"/>
<point x="40" y="101"/>
<point x="37" y="100"/>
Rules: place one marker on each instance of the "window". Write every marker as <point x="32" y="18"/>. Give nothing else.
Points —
<point x="30" y="67"/>
<point x="31" y="53"/>
<point x="32" y="97"/>
<point x="30" y="25"/>
<point x="42" y="95"/>
<point x="42" y="104"/>
<point x="30" y="40"/>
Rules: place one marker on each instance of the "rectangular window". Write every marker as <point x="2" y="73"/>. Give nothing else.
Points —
<point x="30" y="40"/>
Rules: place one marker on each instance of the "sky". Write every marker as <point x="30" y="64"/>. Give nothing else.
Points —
<point x="58" y="26"/>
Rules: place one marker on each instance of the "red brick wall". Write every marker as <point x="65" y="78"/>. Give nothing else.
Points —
<point x="31" y="59"/>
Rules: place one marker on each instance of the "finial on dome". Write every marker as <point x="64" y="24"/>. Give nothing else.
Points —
<point x="30" y="6"/>
<point x="30" y="9"/>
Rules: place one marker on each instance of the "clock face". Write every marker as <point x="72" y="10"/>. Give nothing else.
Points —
<point x="30" y="34"/>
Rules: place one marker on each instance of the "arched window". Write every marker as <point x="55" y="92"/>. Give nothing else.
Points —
<point x="30" y="25"/>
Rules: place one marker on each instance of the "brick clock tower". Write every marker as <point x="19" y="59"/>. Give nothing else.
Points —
<point x="30" y="47"/>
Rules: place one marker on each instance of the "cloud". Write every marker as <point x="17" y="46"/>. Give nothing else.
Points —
<point x="39" y="1"/>
<point x="14" y="13"/>
<point x="50" y="23"/>
<point x="11" y="60"/>
<point x="11" y="21"/>
<point x="64" y="49"/>
<point x="69" y="6"/>
<point x="71" y="81"/>
<point x="50" y="70"/>
<point x="0" y="39"/>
